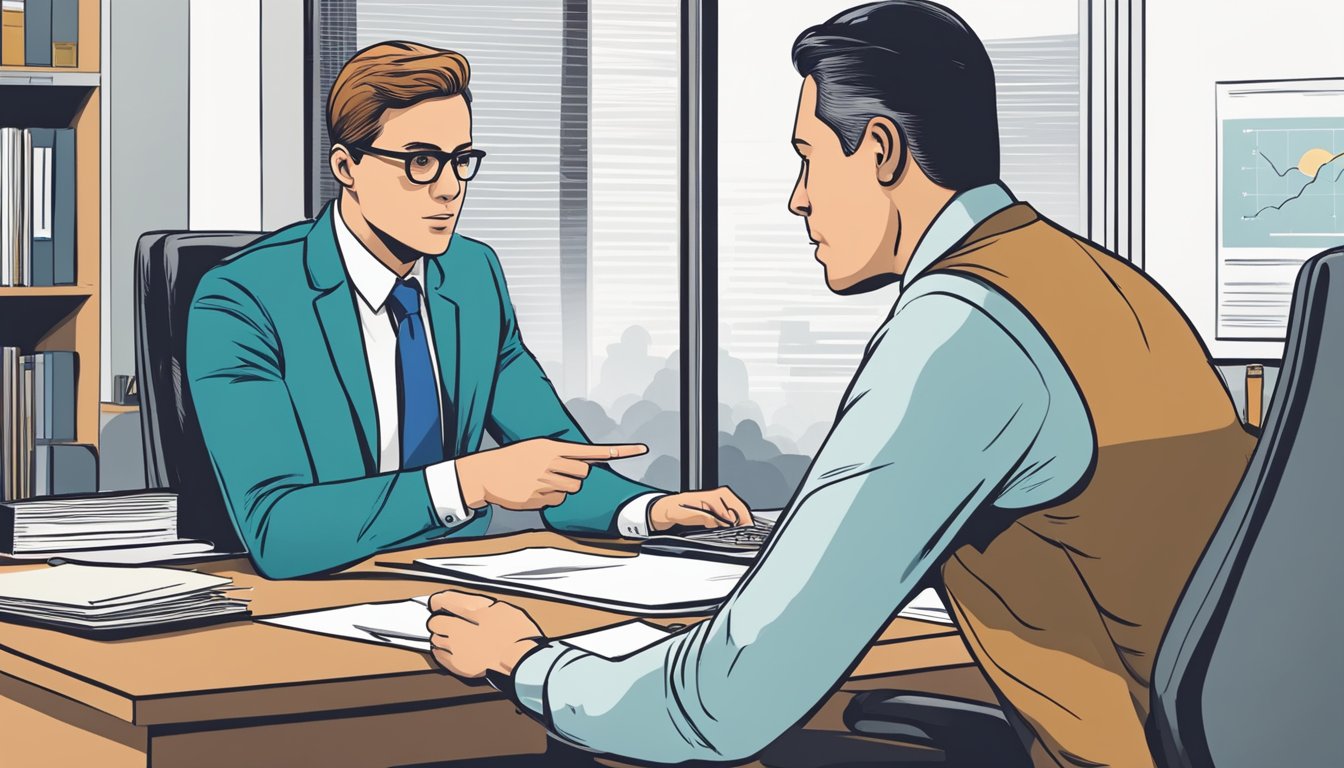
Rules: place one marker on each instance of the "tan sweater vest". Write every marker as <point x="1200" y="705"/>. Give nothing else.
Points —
<point x="1065" y="607"/>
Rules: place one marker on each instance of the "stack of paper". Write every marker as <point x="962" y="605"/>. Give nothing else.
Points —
<point x="103" y="598"/>
<point x="92" y="522"/>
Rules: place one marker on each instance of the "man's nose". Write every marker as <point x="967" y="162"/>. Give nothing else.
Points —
<point x="447" y="187"/>
<point x="799" y="203"/>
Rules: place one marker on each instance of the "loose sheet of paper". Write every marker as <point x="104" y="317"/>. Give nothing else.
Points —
<point x="619" y="641"/>
<point x="403" y="624"/>
<point x="648" y="584"/>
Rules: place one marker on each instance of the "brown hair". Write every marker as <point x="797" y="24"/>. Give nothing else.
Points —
<point x="391" y="75"/>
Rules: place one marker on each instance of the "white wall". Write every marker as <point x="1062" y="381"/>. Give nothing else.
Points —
<point x="246" y="114"/>
<point x="225" y="107"/>
<point x="1190" y="46"/>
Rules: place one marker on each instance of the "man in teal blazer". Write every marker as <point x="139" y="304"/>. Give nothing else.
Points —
<point x="344" y="370"/>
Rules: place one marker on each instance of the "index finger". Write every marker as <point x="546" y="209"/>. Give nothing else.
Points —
<point x="459" y="603"/>
<point x="735" y="504"/>
<point x="603" y="452"/>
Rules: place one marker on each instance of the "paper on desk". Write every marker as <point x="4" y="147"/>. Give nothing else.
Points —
<point x="647" y="584"/>
<point x="111" y="598"/>
<point x="403" y="624"/>
<point x="926" y="606"/>
<point x="88" y="586"/>
<point x="134" y="555"/>
<point x="619" y="641"/>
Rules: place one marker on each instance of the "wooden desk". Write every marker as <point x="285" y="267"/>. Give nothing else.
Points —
<point x="251" y="694"/>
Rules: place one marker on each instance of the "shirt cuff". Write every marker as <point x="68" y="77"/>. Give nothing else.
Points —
<point x="633" y="518"/>
<point x="446" y="495"/>
<point x="529" y="677"/>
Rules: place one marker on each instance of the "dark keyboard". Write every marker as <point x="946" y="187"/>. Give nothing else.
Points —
<point x="747" y="536"/>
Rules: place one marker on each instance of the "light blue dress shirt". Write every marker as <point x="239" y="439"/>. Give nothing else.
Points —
<point x="959" y="407"/>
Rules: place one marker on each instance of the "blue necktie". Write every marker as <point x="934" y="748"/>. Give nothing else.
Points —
<point x="417" y="392"/>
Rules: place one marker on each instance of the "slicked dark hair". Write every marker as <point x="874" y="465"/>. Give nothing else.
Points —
<point x="919" y="65"/>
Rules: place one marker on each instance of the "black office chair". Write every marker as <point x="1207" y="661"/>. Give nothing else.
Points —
<point x="963" y="733"/>
<point x="1248" y="671"/>
<point x="168" y="267"/>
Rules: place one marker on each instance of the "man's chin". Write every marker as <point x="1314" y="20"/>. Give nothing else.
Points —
<point x="415" y="248"/>
<point x="852" y="285"/>
<point x="435" y="245"/>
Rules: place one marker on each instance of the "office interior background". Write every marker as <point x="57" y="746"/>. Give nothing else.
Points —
<point x="212" y="120"/>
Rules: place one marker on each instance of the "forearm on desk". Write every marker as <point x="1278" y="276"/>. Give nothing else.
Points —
<point x="303" y="530"/>
<point x="877" y="509"/>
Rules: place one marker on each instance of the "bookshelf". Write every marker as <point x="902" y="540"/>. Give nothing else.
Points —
<point x="65" y="317"/>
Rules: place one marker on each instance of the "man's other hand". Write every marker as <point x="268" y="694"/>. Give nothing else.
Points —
<point x="534" y="473"/>
<point x="475" y="634"/>
<point x="716" y="508"/>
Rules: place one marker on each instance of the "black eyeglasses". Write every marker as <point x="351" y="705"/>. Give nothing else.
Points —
<point x="424" y="166"/>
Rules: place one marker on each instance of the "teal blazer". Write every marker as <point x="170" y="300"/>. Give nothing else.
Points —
<point x="280" y="381"/>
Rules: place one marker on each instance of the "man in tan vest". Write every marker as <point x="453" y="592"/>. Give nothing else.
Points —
<point x="1035" y="423"/>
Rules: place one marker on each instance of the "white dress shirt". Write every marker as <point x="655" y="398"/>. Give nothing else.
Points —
<point x="373" y="283"/>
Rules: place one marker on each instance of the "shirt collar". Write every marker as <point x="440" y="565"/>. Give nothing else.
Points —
<point x="963" y="213"/>
<point x="372" y="280"/>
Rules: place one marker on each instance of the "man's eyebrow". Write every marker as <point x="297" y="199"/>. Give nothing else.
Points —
<point x="435" y="147"/>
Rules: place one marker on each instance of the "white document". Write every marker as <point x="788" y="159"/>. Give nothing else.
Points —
<point x="110" y="598"/>
<point x="403" y="624"/>
<point x="134" y="555"/>
<point x="926" y="606"/>
<point x="91" y="586"/>
<point x="648" y="584"/>
<point x="619" y="641"/>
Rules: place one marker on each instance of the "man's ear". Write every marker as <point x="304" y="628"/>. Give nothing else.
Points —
<point x="889" y="147"/>
<point x="341" y="163"/>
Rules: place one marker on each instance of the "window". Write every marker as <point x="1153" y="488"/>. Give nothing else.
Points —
<point x="787" y="346"/>
<point x="577" y="103"/>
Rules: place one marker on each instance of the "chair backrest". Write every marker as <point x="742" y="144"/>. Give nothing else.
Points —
<point x="168" y="267"/>
<point x="1248" y="672"/>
